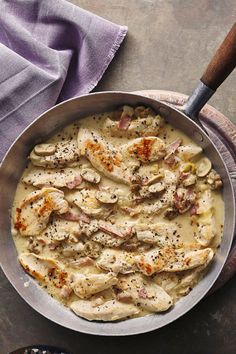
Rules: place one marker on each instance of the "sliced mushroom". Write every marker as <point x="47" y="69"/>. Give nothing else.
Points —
<point x="157" y="187"/>
<point x="44" y="149"/>
<point x="106" y="197"/>
<point x="203" y="167"/>
<point x="187" y="152"/>
<point x="153" y="179"/>
<point x="86" y="201"/>
<point x="90" y="175"/>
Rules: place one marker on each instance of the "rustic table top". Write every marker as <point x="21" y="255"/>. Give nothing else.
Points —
<point x="168" y="46"/>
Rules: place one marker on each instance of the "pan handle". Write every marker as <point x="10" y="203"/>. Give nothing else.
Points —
<point x="219" y="68"/>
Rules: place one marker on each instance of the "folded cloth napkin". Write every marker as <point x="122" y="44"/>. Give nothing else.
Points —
<point x="49" y="51"/>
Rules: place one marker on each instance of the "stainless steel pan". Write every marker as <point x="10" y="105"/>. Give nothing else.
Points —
<point x="76" y="108"/>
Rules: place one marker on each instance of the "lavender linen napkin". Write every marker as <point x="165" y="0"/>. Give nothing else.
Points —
<point x="49" y="51"/>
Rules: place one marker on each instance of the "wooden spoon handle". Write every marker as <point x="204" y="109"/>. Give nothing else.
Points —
<point x="223" y="62"/>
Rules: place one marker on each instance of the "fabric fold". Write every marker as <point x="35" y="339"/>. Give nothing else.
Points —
<point x="50" y="51"/>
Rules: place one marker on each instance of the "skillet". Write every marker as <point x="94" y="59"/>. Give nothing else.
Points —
<point x="76" y="108"/>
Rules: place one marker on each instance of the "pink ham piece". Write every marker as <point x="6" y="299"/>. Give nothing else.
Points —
<point x="142" y="292"/>
<point x="84" y="261"/>
<point x="170" y="159"/>
<point x="76" y="182"/>
<point x="124" y="121"/>
<point x="193" y="210"/>
<point x="171" y="148"/>
<point x="184" y="199"/>
<point x="114" y="230"/>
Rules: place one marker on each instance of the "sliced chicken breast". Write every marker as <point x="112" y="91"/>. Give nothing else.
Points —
<point x="206" y="226"/>
<point x="111" y="310"/>
<point x="103" y="156"/>
<point x="44" y="269"/>
<point x="140" y="290"/>
<point x="55" y="155"/>
<point x="149" y="149"/>
<point x="85" y="286"/>
<point x="60" y="230"/>
<point x="33" y="214"/>
<point x="58" y="178"/>
<point x="172" y="260"/>
<point x="161" y="234"/>
<point x="180" y="284"/>
<point x="149" y="126"/>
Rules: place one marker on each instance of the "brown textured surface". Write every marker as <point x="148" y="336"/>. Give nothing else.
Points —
<point x="168" y="46"/>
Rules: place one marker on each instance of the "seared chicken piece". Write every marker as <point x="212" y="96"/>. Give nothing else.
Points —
<point x="149" y="126"/>
<point x="60" y="230"/>
<point x="172" y="260"/>
<point x="44" y="269"/>
<point x="85" y="286"/>
<point x="205" y="219"/>
<point x="180" y="284"/>
<point x="145" y="150"/>
<point x="143" y="292"/>
<point x="33" y="214"/>
<point x="161" y="234"/>
<point x="54" y="155"/>
<point x="58" y="178"/>
<point x="103" y="156"/>
<point x="117" y="261"/>
<point x="111" y="310"/>
<point x="86" y="201"/>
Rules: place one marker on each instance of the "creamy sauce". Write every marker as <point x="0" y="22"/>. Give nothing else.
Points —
<point x="186" y="228"/>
